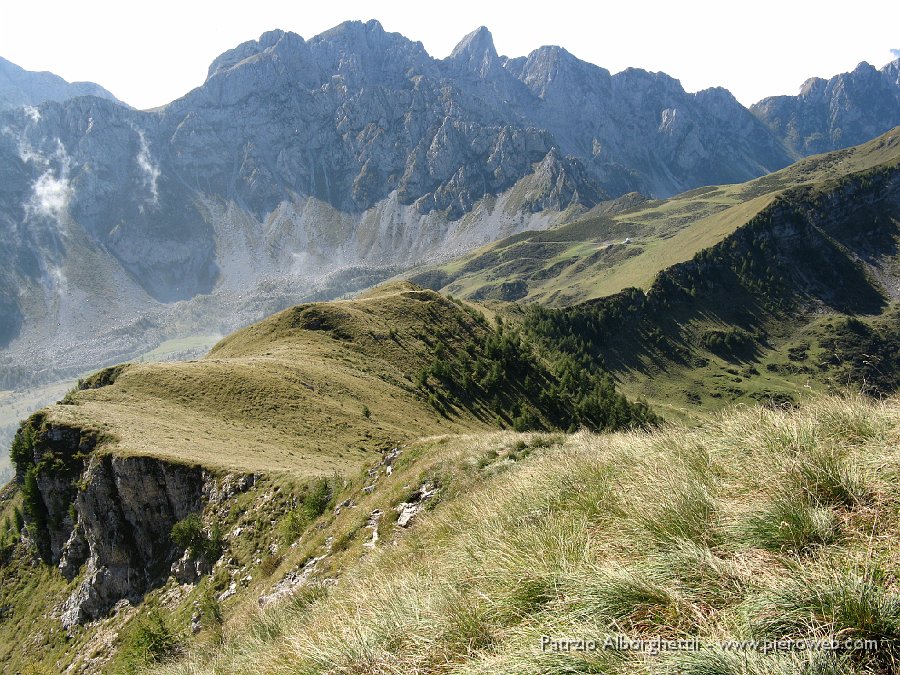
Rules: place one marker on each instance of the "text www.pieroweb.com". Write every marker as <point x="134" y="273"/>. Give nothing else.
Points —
<point x="656" y="646"/>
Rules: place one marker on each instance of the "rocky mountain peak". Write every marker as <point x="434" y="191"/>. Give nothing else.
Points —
<point x="249" y="49"/>
<point x="271" y="37"/>
<point x="353" y="31"/>
<point x="811" y="86"/>
<point x="864" y="68"/>
<point x="552" y="67"/>
<point x="717" y="96"/>
<point x="647" y="78"/>
<point x="476" y="52"/>
<point x="368" y="39"/>
<point x="892" y="72"/>
<point x="551" y="54"/>
<point x="846" y="109"/>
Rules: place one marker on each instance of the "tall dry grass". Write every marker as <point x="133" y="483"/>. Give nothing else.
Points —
<point x="763" y="525"/>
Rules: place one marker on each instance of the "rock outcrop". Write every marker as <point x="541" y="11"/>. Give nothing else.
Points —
<point x="125" y="515"/>
<point x="845" y="110"/>
<point x="106" y="520"/>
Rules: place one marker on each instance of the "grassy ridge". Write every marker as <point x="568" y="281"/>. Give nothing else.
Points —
<point x="288" y="394"/>
<point x="323" y="387"/>
<point x="590" y="258"/>
<point x="17" y="405"/>
<point x="765" y="525"/>
<point x="798" y="300"/>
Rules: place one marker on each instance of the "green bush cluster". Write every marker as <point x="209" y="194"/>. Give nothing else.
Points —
<point x="9" y="533"/>
<point x="730" y="342"/>
<point x="313" y="503"/>
<point x="190" y="535"/>
<point x="34" y="502"/>
<point x="581" y="392"/>
<point x="148" y="640"/>
<point x="22" y="451"/>
<point x="496" y="372"/>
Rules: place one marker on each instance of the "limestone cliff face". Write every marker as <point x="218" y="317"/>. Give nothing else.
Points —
<point x="107" y="520"/>
<point x="124" y="518"/>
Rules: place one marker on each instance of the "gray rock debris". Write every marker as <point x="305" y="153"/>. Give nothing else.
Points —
<point x="290" y="583"/>
<point x="372" y="525"/>
<point x="189" y="570"/>
<point x="346" y="504"/>
<point x="231" y="485"/>
<point x="409" y="510"/>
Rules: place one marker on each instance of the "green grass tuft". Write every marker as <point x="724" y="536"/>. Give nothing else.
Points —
<point x="789" y="523"/>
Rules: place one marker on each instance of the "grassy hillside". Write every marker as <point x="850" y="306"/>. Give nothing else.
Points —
<point x="627" y="243"/>
<point x="341" y="467"/>
<point x="323" y="387"/>
<point x="764" y="526"/>
<point x="802" y="298"/>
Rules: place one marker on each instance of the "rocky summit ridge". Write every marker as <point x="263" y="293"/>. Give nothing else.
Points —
<point x="844" y="110"/>
<point x="20" y="87"/>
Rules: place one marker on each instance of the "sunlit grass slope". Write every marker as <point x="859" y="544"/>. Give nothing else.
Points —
<point x="323" y="387"/>
<point x="764" y="525"/>
<point x="311" y="390"/>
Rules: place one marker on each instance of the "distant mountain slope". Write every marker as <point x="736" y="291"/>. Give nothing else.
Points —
<point x="803" y="298"/>
<point x="20" y="87"/>
<point x="627" y="242"/>
<point x="764" y="291"/>
<point x="844" y="110"/>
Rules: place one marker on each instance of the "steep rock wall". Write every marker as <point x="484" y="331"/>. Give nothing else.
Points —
<point x="102" y="518"/>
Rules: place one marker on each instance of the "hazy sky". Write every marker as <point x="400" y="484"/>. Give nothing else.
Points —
<point x="148" y="54"/>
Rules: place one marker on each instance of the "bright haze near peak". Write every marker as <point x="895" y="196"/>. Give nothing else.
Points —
<point x="150" y="54"/>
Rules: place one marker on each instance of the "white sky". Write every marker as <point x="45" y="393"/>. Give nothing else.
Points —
<point x="148" y="54"/>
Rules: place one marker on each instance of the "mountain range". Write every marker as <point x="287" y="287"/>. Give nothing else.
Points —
<point x="302" y="169"/>
<point x="600" y="397"/>
<point x="20" y="87"/>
